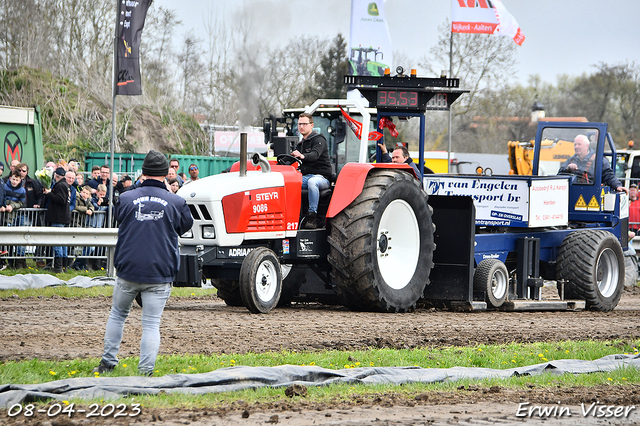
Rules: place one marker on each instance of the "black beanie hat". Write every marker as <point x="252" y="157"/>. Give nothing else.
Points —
<point x="60" y="171"/>
<point x="155" y="164"/>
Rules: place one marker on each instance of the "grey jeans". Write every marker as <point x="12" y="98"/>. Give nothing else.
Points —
<point x="154" y="297"/>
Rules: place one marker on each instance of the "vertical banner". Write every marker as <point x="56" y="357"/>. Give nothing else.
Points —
<point x="484" y="17"/>
<point x="370" y="50"/>
<point x="131" y="17"/>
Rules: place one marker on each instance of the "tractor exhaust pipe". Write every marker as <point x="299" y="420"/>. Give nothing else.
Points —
<point x="258" y="159"/>
<point x="243" y="154"/>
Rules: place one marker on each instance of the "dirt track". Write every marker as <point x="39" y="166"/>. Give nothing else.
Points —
<point x="75" y="328"/>
<point x="58" y="328"/>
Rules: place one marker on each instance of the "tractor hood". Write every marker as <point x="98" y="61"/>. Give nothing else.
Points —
<point x="228" y="209"/>
<point x="214" y="188"/>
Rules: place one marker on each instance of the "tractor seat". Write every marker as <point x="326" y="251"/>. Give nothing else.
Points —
<point x="324" y="193"/>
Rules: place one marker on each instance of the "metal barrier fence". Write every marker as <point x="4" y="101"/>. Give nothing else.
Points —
<point x="36" y="218"/>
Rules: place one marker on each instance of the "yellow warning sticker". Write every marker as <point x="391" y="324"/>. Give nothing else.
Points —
<point x="593" y="204"/>
<point x="581" y="204"/>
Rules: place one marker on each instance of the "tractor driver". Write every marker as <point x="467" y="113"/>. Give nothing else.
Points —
<point x="582" y="164"/>
<point x="313" y="152"/>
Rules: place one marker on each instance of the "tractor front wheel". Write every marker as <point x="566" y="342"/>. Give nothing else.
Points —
<point x="260" y="281"/>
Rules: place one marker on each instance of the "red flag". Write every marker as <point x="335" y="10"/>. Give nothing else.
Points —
<point x="357" y="127"/>
<point x="484" y="17"/>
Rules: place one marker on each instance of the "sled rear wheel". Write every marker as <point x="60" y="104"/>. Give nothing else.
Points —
<point x="492" y="278"/>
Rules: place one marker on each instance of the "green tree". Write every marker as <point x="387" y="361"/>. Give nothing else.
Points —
<point x="328" y="79"/>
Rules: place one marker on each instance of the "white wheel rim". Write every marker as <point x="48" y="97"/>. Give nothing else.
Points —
<point x="266" y="281"/>
<point x="398" y="244"/>
<point x="499" y="282"/>
<point x="607" y="272"/>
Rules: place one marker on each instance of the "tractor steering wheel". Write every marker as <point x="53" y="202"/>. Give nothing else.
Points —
<point x="578" y="176"/>
<point x="288" y="160"/>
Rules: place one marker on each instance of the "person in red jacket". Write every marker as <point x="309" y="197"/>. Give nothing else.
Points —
<point x="634" y="208"/>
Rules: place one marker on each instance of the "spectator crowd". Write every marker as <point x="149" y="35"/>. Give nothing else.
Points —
<point x="69" y="200"/>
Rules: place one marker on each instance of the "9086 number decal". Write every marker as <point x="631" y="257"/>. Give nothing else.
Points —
<point x="260" y="208"/>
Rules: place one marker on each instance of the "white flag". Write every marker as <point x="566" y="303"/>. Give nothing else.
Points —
<point x="370" y="50"/>
<point x="484" y="17"/>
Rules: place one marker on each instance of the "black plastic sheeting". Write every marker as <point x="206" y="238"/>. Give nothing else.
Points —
<point x="238" y="378"/>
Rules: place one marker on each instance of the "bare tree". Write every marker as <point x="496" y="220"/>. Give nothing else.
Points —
<point x="483" y="63"/>
<point x="191" y="70"/>
<point x="479" y="60"/>
<point x="290" y="71"/>
<point x="611" y="94"/>
<point x="158" y="59"/>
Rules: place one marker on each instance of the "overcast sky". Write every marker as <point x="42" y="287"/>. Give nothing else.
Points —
<point x="562" y="36"/>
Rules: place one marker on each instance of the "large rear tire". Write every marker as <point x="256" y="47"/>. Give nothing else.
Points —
<point x="260" y="281"/>
<point x="592" y="263"/>
<point x="492" y="278"/>
<point x="381" y="246"/>
<point x="228" y="290"/>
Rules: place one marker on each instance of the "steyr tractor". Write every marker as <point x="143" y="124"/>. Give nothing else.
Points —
<point x="391" y="239"/>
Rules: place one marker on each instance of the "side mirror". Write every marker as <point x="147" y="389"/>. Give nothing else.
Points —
<point x="266" y="128"/>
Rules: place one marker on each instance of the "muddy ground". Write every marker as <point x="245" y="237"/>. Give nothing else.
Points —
<point x="58" y="328"/>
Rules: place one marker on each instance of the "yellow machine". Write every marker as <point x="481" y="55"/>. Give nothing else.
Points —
<point x="551" y="151"/>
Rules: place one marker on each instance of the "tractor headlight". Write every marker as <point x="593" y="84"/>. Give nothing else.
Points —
<point x="208" y="232"/>
<point x="188" y="234"/>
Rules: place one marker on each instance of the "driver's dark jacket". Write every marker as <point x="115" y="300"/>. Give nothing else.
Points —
<point x="587" y="165"/>
<point x="316" y="155"/>
<point x="150" y="220"/>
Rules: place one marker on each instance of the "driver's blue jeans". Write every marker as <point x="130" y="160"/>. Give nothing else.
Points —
<point x="154" y="297"/>
<point x="315" y="184"/>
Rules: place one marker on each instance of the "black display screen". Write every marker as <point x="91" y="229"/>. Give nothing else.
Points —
<point x="398" y="99"/>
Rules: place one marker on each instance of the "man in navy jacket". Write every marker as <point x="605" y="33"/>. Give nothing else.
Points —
<point x="146" y="259"/>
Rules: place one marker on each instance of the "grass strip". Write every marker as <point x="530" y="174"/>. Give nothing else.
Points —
<point x="488" y="356"/>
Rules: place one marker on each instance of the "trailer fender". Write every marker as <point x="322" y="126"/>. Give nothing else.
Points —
<point x="351" y="181"/>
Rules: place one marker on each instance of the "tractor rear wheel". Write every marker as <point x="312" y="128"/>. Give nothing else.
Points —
<point x="381" y="245"/>
<point x="260" y="281"/>
<point x="228" y="290"/>
<point x="492" y="278"/>
<point x="592" y="263"/>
